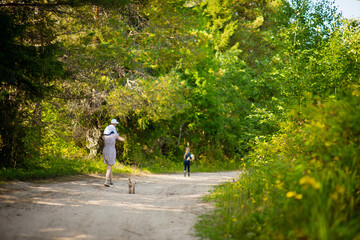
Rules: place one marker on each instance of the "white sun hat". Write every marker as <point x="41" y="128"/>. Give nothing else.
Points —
<point x="114" y="121"/>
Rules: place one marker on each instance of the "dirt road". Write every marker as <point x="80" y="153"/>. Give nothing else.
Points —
<point x="80" y="207"/>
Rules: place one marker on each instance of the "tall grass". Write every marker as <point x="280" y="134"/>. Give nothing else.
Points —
<point x="166" y="165"/>
<point x="59" y="166"/>
<point x="304" y="184"/>
<point x="76" y="162"/>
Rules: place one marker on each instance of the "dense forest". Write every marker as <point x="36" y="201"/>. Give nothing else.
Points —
<point x="268" y="86"/>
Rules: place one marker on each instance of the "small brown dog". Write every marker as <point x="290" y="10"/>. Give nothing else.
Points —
<point x="131" y="186"/>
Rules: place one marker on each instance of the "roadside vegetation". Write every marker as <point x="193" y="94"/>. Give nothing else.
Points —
<point x="302" y="184"/>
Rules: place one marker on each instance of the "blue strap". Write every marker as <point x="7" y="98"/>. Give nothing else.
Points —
<point x="112" y="132"/>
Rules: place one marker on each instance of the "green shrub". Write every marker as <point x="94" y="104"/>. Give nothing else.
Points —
<point x="303" y="184"/>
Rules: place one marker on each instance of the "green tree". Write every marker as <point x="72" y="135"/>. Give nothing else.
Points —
<point x="27" y="75"/>
<point x="30" y="69"/>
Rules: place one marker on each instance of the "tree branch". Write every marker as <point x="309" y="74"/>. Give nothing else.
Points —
<point x="29" y="4"/>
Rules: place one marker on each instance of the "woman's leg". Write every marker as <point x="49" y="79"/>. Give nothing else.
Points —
<point x="108" y="175"/>
<point x="111" y="182"/>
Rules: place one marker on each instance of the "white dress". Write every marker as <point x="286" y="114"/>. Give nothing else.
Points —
<point x="109" y="151"/>
<point x="110" y="129"/>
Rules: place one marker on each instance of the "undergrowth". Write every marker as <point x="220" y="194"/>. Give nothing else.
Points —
<point x="303" y="184"/>
<point x="58" y="166"/>
<point x="55" y="166"/>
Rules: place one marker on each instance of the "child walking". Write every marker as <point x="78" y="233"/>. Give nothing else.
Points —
<point x="187" y="157"/>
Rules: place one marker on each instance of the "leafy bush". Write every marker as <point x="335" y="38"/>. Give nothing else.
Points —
<point x="303" y="184"/>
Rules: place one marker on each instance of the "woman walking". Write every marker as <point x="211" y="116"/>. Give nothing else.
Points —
<point x="109" y="152"/>
<point x="187" y="158"/>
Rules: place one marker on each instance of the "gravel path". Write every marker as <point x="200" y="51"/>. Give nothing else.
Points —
<point x="164" y="206"/>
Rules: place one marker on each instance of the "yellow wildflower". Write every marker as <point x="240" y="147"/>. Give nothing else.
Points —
<point x="309" y="181"/>
<point x="294" y="194"/>
<point x="290" y="194"/>
<point x="279" y="184"/>
<point x="316" y="185"/>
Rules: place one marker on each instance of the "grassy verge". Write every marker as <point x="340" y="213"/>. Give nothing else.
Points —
<point x="59" y="166"/>
<point x="169" y="166"/>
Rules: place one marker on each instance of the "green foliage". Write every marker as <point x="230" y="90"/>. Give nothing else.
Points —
<point x="27" y="74"/>
<point x="163" y="68"/>
<point x="44" y="168"/>
<point x="303" y="183"/>
<point x="165" y="165"/>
